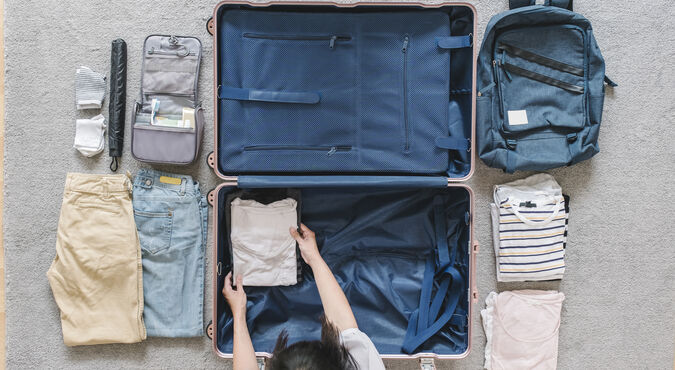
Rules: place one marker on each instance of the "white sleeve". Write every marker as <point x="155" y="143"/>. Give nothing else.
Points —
<point x="362" y="349"/>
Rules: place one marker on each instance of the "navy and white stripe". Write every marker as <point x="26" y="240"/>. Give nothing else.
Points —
<point x="527" y="251"/>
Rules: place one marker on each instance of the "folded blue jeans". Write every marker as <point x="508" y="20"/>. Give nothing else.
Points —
<point x="171" y="218"/>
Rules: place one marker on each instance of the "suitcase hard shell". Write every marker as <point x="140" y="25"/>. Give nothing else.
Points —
<point x="375" y="204"/>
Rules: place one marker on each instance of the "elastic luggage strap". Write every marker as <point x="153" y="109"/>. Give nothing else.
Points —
<point x="454" y="42"/>
<point x="299" y="97"/>
<point x="425" y="321"/>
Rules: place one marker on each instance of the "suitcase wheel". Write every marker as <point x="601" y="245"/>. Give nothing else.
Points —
<point x="209" y="330"/>
<point x="210" y="27"/>
<point x="211" y="197"/>
<point x="211" y="160"/>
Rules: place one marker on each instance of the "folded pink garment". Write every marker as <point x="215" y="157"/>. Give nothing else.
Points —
<point x="521" y="327"/>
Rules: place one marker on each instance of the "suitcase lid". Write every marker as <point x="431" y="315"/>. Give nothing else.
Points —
<point x="380" y="179"/>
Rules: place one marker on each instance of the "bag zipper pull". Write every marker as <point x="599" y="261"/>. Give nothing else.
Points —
<point x="405" y="44"/>
<point x="331" y="44"/>
<point x="332" y="151"/>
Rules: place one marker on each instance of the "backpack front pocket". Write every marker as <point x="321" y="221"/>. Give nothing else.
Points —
<point x="540" y="92"/>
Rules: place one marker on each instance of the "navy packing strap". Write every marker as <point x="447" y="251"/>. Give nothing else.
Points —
<point x="425" y="321"/>
<point x="300" y="97"/>
<point x="454" y="42"/>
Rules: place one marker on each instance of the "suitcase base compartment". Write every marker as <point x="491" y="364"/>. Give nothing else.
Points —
<point x="378" y="243"/>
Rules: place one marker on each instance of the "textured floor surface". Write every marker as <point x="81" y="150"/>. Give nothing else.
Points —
<point x="619" y="312"/>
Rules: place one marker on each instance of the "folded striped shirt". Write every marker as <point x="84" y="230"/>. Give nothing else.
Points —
<point x="530" y="234"/>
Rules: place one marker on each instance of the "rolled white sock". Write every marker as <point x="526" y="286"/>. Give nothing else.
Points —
<point x="89" y="135"/>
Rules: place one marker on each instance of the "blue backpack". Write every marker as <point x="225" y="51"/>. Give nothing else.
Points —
<point x="540" y="88"/>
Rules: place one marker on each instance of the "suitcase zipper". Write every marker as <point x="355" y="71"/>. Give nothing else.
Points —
<point x="404" y="50"/>
<point x="332" y="39"/>
<point x="330" y="150"/>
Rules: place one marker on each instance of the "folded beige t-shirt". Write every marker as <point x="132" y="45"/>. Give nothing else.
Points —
<point x="263" y="251"/>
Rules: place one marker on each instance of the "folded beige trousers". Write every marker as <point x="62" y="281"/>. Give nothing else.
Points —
<point x="97" y="275"/>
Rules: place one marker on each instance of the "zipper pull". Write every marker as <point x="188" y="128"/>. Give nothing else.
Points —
<point x="331" y="44"/>
<point x="331" y="151"/>
<point x="507" y="74"/>
<point x="405" y="44"/>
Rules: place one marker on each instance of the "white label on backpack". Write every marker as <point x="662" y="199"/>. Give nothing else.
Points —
<point x="517" y="117"/>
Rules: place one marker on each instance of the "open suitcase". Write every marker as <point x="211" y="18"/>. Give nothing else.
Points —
<point x="368" y="110"/>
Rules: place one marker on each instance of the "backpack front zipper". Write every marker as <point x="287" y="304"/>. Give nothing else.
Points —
<point x="510" y="68"/>
<point x="541" y="60"/>
<point x="332" y="39"/>
<point x="495" y="73"/>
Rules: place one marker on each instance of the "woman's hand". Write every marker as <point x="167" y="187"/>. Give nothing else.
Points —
<point x="335" y="304"/>
<point x="235" y="298"/>
<point x="242" y="347"/>
<point x="307" y="244"/>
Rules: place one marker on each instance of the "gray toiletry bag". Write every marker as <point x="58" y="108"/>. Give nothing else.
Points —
<point x="169" y="78"/>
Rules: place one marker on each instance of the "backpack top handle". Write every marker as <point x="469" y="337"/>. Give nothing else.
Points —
<point x="565" y="4"/>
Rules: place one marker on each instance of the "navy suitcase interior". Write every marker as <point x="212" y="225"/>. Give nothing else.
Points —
<point x="368" y="111"/>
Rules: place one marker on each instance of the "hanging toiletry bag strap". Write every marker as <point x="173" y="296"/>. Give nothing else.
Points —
<point x="541" y="87"/>
<point x="168" y="120"/>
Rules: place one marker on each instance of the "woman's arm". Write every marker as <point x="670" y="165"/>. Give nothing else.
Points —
<point x="335" y="304"/>
<point x="242" y="353"/>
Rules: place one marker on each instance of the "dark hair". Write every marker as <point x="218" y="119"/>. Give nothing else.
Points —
<point x="325" y="354"/>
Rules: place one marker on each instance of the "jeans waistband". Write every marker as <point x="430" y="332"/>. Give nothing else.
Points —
<point x="98" y="184"/>
<point x="181" y="184"/>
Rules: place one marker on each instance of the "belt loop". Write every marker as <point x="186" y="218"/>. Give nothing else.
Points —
<point x="68" y="179"/>
<point x="511" y="144"/>
<point x="183" y="185"/>
<point x="129" y="182"/>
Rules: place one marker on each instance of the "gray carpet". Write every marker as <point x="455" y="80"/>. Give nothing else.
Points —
<point x="619" y="311"/>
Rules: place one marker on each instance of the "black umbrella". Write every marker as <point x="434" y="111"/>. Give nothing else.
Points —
<point x="118" y="97"/>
